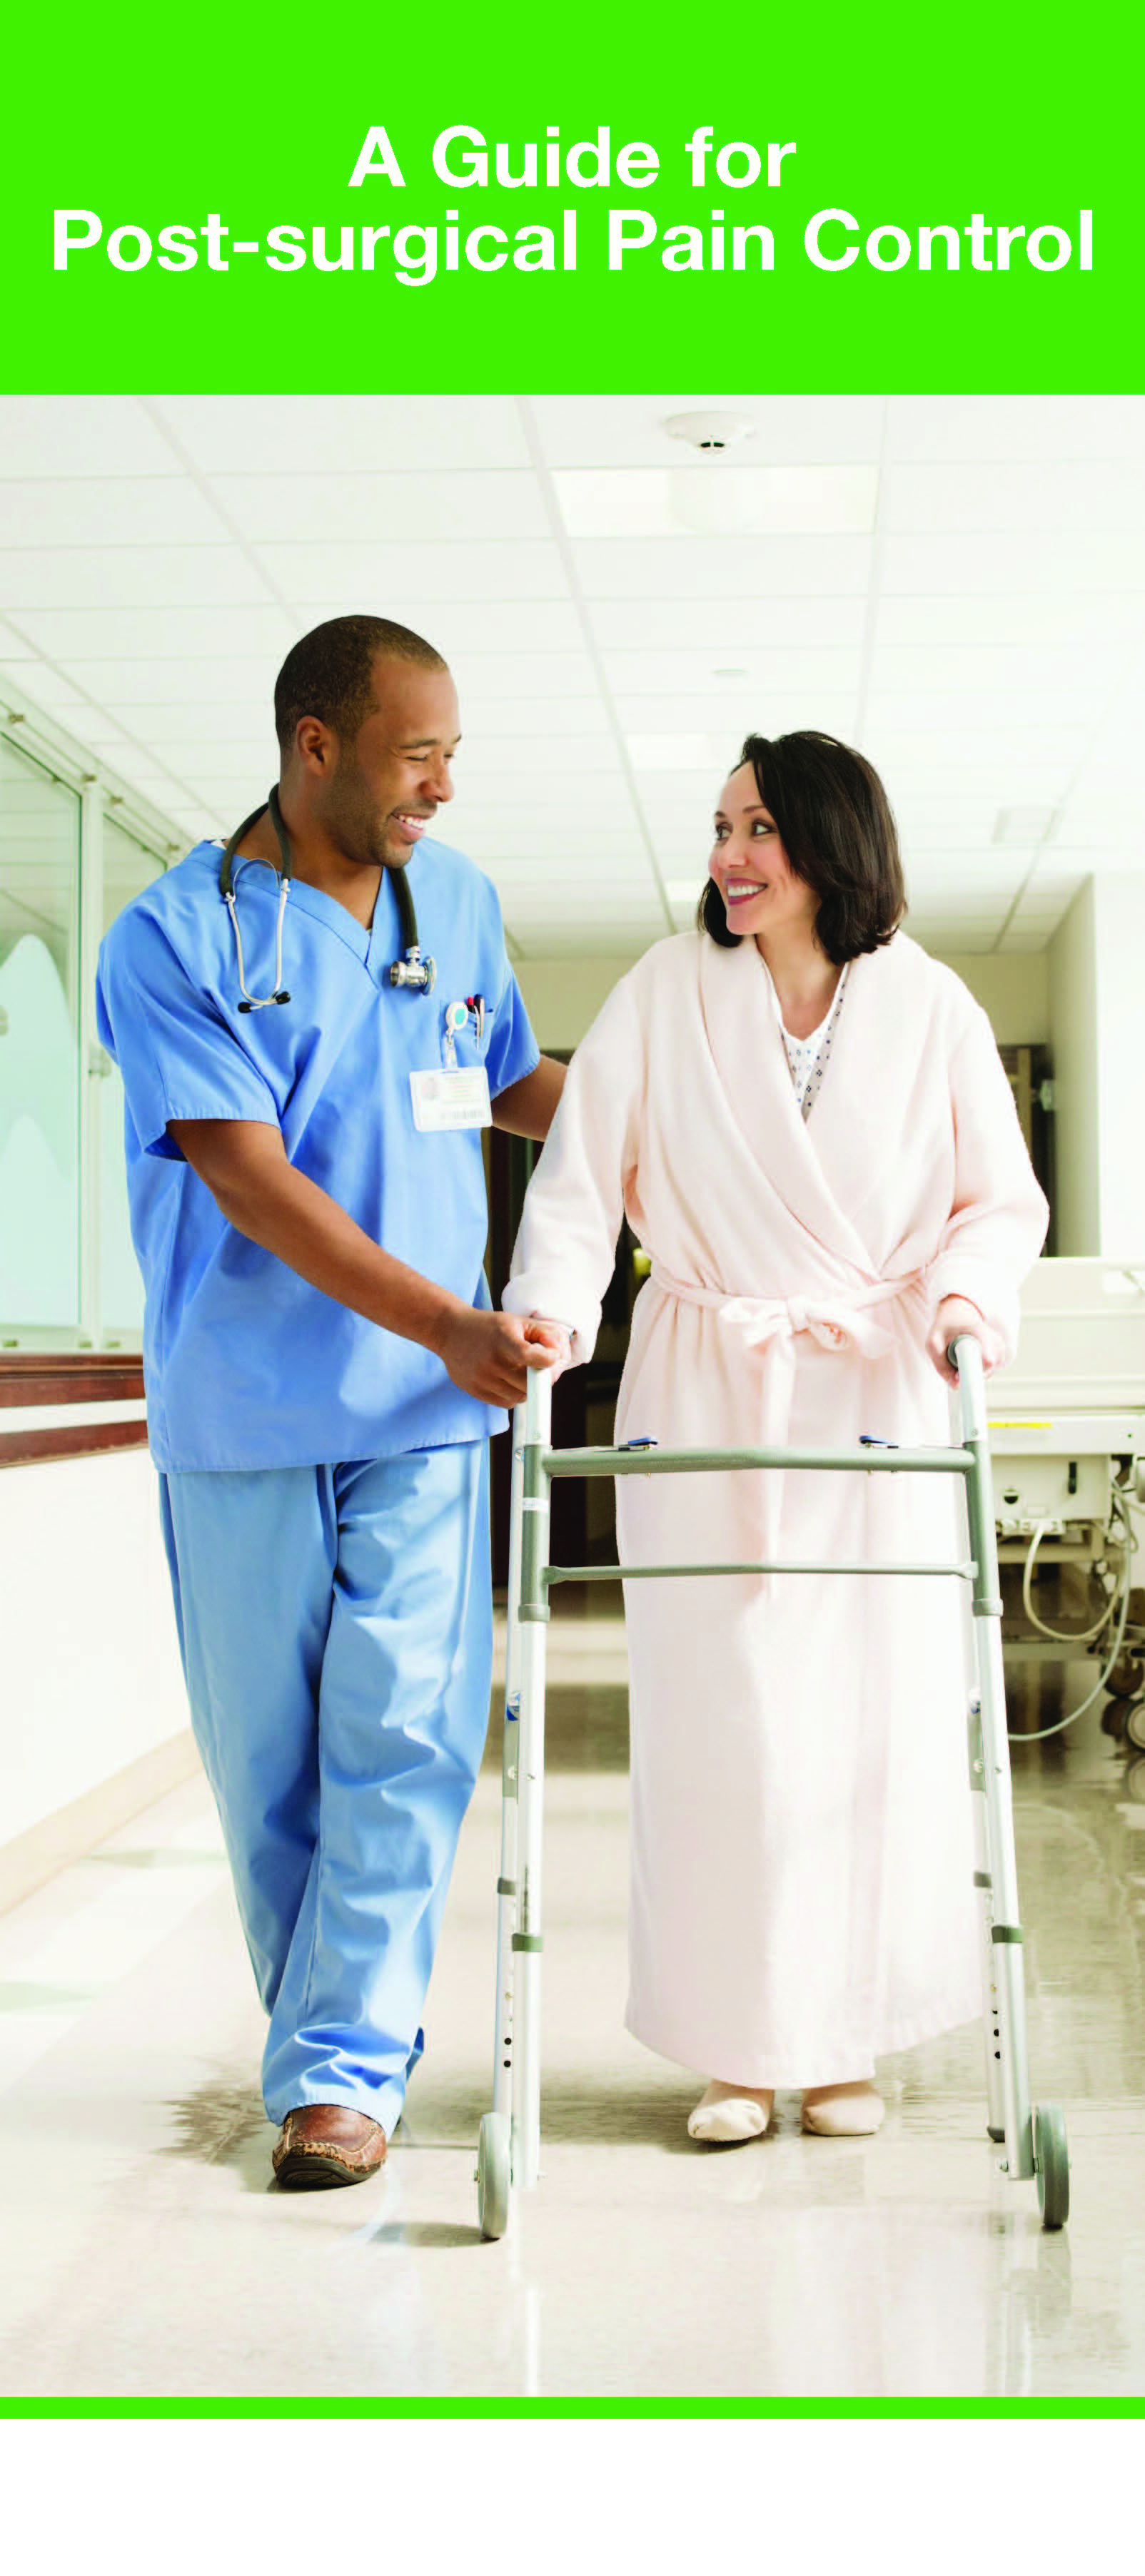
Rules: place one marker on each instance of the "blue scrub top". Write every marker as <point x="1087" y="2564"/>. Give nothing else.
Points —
<point x="246" y="1365"/>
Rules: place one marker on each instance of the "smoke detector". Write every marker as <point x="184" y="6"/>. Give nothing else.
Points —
<point x="711" y="431"/>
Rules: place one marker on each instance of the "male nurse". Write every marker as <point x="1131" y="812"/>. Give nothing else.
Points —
<point x="323" y="1369"/>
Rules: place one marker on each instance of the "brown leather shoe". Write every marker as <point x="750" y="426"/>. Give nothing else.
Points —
<point x="323" y="2144"/>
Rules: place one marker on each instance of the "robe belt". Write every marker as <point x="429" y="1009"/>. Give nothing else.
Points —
<point x="843" y="1322"/>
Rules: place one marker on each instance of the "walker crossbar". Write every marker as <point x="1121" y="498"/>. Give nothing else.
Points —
<point x="685" y="1462"/>
<point x="509" y="2148"/>
<point x="647" y="1573"/>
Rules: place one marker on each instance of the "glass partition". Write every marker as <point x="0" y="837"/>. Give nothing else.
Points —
<point x="127" y="868"/>
<point x="39" y="1047"/>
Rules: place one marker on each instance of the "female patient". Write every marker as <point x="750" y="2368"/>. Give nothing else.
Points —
<point x="807" y="1123"/>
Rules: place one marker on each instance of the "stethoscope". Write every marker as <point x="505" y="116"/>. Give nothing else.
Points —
<point x="416" y="973"/>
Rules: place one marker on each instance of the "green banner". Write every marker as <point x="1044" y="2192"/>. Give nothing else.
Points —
<point x="800" y="201"/>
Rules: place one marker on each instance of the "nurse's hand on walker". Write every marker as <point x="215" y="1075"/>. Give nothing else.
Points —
<point x="954" y="1316"/>
<point x="490" y="1356"/>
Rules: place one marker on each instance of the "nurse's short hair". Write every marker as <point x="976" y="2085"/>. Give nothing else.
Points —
<point x="834" y="819"/>
<point x="329" y="673"/>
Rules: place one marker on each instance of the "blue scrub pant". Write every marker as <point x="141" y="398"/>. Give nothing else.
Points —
<point x="335" y="1625"/>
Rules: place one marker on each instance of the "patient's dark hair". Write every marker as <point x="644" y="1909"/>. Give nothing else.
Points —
<point x="329" y="673"/>
<point x="833" y="817"/>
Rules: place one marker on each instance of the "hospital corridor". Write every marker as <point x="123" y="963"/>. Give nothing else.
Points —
<point x="147" y="2251"/>
<point x="683" y="956"/>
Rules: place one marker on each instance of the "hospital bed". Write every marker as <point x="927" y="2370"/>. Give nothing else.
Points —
<point x="1067" y="1442"/>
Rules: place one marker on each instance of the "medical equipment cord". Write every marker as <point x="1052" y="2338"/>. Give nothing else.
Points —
<point x="1118" y="1602"/>
<point x="1060" y="1636"/>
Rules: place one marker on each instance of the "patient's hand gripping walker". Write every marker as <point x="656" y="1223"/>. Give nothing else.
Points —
<point x="1032" y="2140"/>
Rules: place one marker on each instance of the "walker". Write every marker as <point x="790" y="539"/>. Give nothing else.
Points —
<point x="1032" y="2138"/>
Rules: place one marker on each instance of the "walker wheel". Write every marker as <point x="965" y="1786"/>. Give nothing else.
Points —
<point x="1135" y="1724"/>
<point x="493" y="2174"/>
<point x="1126" y="1677"/>
<point x="1051" y="2163"/>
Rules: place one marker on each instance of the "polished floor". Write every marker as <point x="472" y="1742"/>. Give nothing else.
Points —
<point x="144" y="2250"/>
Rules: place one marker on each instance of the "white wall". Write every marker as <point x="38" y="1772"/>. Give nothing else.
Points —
<point x="1014" y="992"/>
<point x="1097" y="985"/>
<point x="564" y="994"/>
<point x="91" y="1672"/>
<point x="1119" y="952"/>
<point x="1074" y="1038"/>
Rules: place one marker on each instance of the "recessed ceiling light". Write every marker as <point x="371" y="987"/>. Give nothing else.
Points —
<point x="1024" y="824"/>
<point x="746" y="501"/>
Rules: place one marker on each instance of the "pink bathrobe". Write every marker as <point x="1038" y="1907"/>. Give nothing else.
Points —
<point x="801" y="1897"/>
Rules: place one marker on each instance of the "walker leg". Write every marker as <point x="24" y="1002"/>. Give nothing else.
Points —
<point x="1007" y="2012"/>
<point x="528" y="1939"/>
<point x="494" y="2143"/>
<point x="510" y="1765"/>
<point x="984" y="1892"/>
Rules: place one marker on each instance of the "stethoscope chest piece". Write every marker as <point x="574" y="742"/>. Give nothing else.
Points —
<point x="415" y="973"/>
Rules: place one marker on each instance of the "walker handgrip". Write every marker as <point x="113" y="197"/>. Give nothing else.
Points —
<point x="952" y="1348"/>
<point x="964" y="1354"/>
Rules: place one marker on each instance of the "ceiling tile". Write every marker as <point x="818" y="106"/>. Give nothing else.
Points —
<point x="504" y="679"/>
<point x="46" y="688"/>
<point x="1018" y="617"/>
<point x="743" y="710"/>
<point x="367" y="509"/>
<point x="1011" y="714"/>
<point x="182" y="681"/>
<point x="944" y="428"/>
<point x="652" y="568"/>
<point x="729" y="627"/>
<point x="906" y="775"/>
<point x="1056" y="501"/>
<point x="300" y="434"/>
<point x="200" y="719"/>
<point x="714" y="675"/>
<point x="1020" y="763"/>
<point x="403" y="578"/>
<point x="950" y="824"/>
<point x="128" y="577"/>
<point x="569" y="766"/>
<point x="264" y="635"/>
<point x="82" y="436"/>
<point x="218" y="785"/>
<point x="128" y="511"/>
<point x="1002" y="668"/>
<point x="1027" y="559"/>
<point x="493" y="627"/>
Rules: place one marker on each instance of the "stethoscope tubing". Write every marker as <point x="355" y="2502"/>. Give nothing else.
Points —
<point x="415" y="973"/>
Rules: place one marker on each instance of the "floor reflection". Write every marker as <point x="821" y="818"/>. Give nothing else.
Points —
<point x="146" y="2250"/>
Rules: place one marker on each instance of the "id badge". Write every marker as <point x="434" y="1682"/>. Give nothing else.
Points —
<point x="453" y="1096"/>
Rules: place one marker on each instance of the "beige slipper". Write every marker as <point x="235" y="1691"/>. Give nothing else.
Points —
<point x="727" y="2114"/>
<point x="843" y="2111"/>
